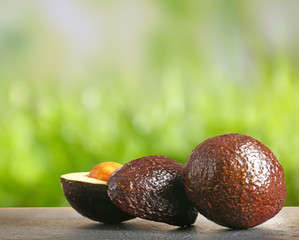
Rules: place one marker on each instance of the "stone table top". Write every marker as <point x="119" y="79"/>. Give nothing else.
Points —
<point x="65" y="223"/>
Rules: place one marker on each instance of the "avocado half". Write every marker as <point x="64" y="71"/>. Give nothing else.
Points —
<point x="235" y="181"/>
<point x="152" y="188"/>
<point x="88" y="196"/>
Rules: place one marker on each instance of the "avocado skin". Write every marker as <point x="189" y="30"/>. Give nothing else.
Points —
<point x="235" y="181"/>
<point x="92" y="201"/>
<point x="152" y="188"/>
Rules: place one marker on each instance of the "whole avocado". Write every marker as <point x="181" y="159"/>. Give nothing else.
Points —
<point x="235" y="181"/>
<point x="152" y="188"/>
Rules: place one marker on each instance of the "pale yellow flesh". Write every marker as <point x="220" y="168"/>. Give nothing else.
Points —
<point x="82" y="177"/>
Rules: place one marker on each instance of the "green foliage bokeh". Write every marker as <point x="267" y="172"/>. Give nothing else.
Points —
<point x="202" y="73"/>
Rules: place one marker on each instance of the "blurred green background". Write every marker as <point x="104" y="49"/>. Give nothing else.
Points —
<point x="82" y="82"/>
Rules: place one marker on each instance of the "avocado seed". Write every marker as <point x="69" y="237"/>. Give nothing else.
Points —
<point x="104" y="170"/>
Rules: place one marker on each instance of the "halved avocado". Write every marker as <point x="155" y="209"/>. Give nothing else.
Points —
<point x="88" y="196"/>
<point x="152" y="188"/>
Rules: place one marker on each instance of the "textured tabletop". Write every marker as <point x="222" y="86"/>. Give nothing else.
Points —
<point x="65" y="223"/>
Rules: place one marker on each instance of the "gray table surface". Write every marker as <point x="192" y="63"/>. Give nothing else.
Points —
<point x="65" y="223"/>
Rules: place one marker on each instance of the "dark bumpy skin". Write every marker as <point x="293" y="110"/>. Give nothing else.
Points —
<point x="235" y="181"/>
<point x="92" y="201"/>
<point x="152" y="188"/>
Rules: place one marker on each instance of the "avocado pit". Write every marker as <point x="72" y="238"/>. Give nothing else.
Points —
<point x="104" y="170"/>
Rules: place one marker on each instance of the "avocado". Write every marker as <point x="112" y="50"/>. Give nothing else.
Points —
<point x="235" y="181"/>
<point x="88" y="196"/>
<point x="152" y="188"/>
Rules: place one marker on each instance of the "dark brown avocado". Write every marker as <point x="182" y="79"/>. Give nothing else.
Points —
<point x="152" y="188"/>
<point x="235" y="181"/>
<point x="88" y="196"/>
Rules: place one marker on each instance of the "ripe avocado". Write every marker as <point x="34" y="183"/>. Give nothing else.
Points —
<point x="152" y="188"/>
<point x="88" y="196"/>
<point x="235" y="181"/>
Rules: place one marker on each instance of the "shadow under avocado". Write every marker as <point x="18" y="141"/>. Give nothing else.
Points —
<point x="143" y="229"/>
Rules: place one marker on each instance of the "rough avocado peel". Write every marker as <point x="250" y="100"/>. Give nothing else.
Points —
<point x="235" y="181"/>
<point x="152" y="188"/>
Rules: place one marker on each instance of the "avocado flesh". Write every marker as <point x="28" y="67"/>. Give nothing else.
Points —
<point x="88" y="196"/>
<point x="235" y="181"/>
<point x="152" y="188"/>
